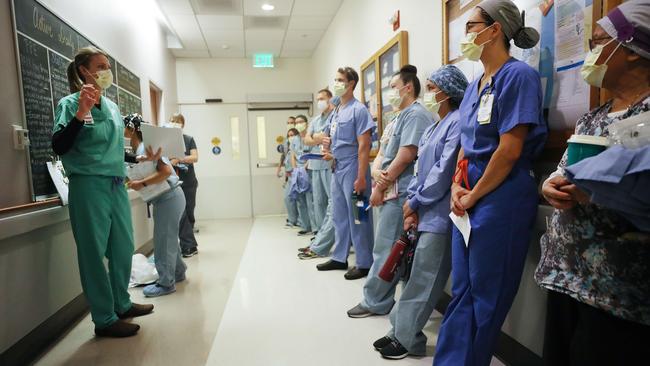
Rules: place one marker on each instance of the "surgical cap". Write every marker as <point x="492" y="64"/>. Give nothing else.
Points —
<point x="506" y="13"/>
<point x="629" y="23"/>
<point x="451" y="81"/>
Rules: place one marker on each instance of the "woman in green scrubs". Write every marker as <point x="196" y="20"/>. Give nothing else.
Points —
<point x="89" y="137"/>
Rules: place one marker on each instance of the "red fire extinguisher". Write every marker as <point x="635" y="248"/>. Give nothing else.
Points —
<point x="390" y="267"/>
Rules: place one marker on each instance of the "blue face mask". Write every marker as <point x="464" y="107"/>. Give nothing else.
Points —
<point x="336" y="100"/>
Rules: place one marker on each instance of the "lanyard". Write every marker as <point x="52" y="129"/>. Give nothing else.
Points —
<point x="460" y="176"/>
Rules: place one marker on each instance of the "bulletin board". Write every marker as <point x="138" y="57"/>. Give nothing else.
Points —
<point x="45" y="45"/>
<point x="565" y="27"/>
<point x="375" y="76"/>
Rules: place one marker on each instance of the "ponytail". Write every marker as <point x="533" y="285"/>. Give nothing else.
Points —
<point x="82" y="58"/>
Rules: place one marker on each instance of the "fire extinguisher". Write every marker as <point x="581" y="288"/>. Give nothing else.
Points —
<point x="401" y="246"/>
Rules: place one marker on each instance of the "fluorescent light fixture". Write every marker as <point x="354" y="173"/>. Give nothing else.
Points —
<point x="267" y="7"/>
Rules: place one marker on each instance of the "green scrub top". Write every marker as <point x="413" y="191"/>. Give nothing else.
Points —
<point x="99" y="146"/>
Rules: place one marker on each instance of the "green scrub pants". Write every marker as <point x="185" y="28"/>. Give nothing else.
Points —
<point x="100" y="214"/>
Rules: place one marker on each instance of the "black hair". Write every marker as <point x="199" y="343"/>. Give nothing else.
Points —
<point x="326" y="91"/>
<point x="350" y="75"/>
<point x="133" y="122"/>
<point x="295" y="132"/>
<point x="409" y="74"/>
<point x="489" y="21"/>
<point x="302" y="117"/>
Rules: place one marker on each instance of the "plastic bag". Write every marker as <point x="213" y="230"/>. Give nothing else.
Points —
<point x="632" y="132"/>
<point x="143" y="272"/>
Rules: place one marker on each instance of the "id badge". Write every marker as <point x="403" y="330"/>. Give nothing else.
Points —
<point x="485" y="109"/>
<point x="88" y="119"/>
<point x="333" y="129"/>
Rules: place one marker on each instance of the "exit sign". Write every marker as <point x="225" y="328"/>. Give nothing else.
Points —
<point x="263" y="60"/>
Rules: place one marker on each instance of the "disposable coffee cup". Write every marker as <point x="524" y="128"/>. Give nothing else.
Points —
<point x="585" y="146"/>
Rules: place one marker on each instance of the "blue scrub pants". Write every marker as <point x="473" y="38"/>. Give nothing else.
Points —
<point x="486" y="274"/>
<point x="429" y="274"/>
<point x="167" y="212"/>
<point x="292" y="208"/>
<point x="324" y="240"/>
<point x="303" y="211"/>
<point x="378" y="295"/>
<point x="310" y="204"/>
<point x="346" y="232"/>
<point x="321" y="181"/>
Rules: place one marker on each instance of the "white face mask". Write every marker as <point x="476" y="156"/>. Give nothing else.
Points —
<point x="339" y="88"/>
<point x="430" y="102"/>
<point x="394" y="98"/>
<point x="471" y="50"/>
<point x="595" y="74"/>
<point x="321" y="105"/>
<point x="104" y="78"/>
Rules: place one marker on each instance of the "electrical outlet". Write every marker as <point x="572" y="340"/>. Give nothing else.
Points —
<point x="21" y="137"/>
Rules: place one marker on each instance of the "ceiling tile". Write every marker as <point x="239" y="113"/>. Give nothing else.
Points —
<point x="304" y="35"/>
<point x="188" y="31"/>
<point x="254" y="7"/>
<point x="263" y="47"/>
<point x="309" y="22"/>
<point x="296" y="54"/>
<point x="217" y="7"/>
<point x="232" y="52"/>
<point x="175" y="7"/>
<point x="220" y="22"/>
<point x="299" y="45"/>
<point x="264" y="35"/>
<point x="311" y="7"/>
<point x="186" y="53"/>
<point x="219" y="38"/>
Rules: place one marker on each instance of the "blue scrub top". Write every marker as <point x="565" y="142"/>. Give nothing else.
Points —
<point x="517" y="100"/>
<point x="318" y="125"/>
<point x="287" y="158"/>
<point x="407" y="130"/>
<point x="298" y="148"/>
<point x="430" y="190"/>
<point x="348" y="123"/>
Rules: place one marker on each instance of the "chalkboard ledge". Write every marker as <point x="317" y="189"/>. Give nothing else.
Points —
<point x="28" y="221"/>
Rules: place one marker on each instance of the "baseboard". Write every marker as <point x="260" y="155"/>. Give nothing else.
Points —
<point x="508" y="350"/>
<point x="30" y="347"/>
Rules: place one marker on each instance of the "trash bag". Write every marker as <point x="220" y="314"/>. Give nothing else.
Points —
<point x="143" y="272"/>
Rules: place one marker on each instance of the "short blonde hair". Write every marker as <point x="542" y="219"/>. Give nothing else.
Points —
<point x="177" y="118"/>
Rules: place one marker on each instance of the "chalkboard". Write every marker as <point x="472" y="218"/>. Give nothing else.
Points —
<point x="46" y="44"/>
<point x="127" y="80"/>
<point x="128" y="103"/>
<point x="38" y="111"/>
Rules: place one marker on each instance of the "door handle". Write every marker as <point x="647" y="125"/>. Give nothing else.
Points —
<point x="268" y="165"/>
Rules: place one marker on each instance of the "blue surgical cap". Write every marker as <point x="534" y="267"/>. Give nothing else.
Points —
<point x="451" y="81"/>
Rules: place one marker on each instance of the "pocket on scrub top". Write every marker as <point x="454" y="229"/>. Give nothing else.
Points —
<point x="346" y="132"/>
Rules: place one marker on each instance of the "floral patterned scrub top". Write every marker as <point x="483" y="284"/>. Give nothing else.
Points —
<point x="593" y="254"/>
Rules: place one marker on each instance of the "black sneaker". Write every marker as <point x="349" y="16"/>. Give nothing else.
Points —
<point x="356" y="273"/>
<point x="189" y="252"/>
<point x="304" y="233"/>
<point x="382" y="342"/>
<point x="394" y="351"/>
<point x="332" y="265"/>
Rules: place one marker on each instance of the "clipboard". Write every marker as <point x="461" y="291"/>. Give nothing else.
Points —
<point x="170" y="140"/>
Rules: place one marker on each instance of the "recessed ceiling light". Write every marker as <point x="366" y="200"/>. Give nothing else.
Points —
<point x="267" y="7"/>
<point x="225" y="46"/>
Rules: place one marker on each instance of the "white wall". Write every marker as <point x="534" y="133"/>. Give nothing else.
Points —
<point x="129" y="31"/>
<point x="360" y="28"/>
<point x="38" y="269"/>
<point x="232" y="79"/>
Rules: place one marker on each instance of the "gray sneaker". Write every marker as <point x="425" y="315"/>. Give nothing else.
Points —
<point x="359" y="312"/>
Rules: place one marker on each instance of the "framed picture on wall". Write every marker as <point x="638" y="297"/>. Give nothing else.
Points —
<point x="376" y="73"/>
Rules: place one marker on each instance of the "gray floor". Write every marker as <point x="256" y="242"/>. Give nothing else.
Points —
<point x="247" y="301"/>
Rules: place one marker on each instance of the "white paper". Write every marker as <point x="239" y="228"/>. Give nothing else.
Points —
<point x="570" y="99"/>
<point x="143" y="170"/>
<point x="396" y="64"/>
<point x="569" y="32"/>
<point x="371" y="76"/>
<point x="59" y="179"/>
<point x="463" y="225"/>
<point x="170" y="140"/>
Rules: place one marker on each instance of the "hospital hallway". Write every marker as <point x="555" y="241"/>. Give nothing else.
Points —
<point x="247" y="301"/>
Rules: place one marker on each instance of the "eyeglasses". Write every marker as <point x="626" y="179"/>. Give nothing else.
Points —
<point x="469" y="25"/>
<point x="593" y="42"/>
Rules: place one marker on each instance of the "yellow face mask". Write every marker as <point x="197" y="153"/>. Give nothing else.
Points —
<point x="595" y="74"/>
